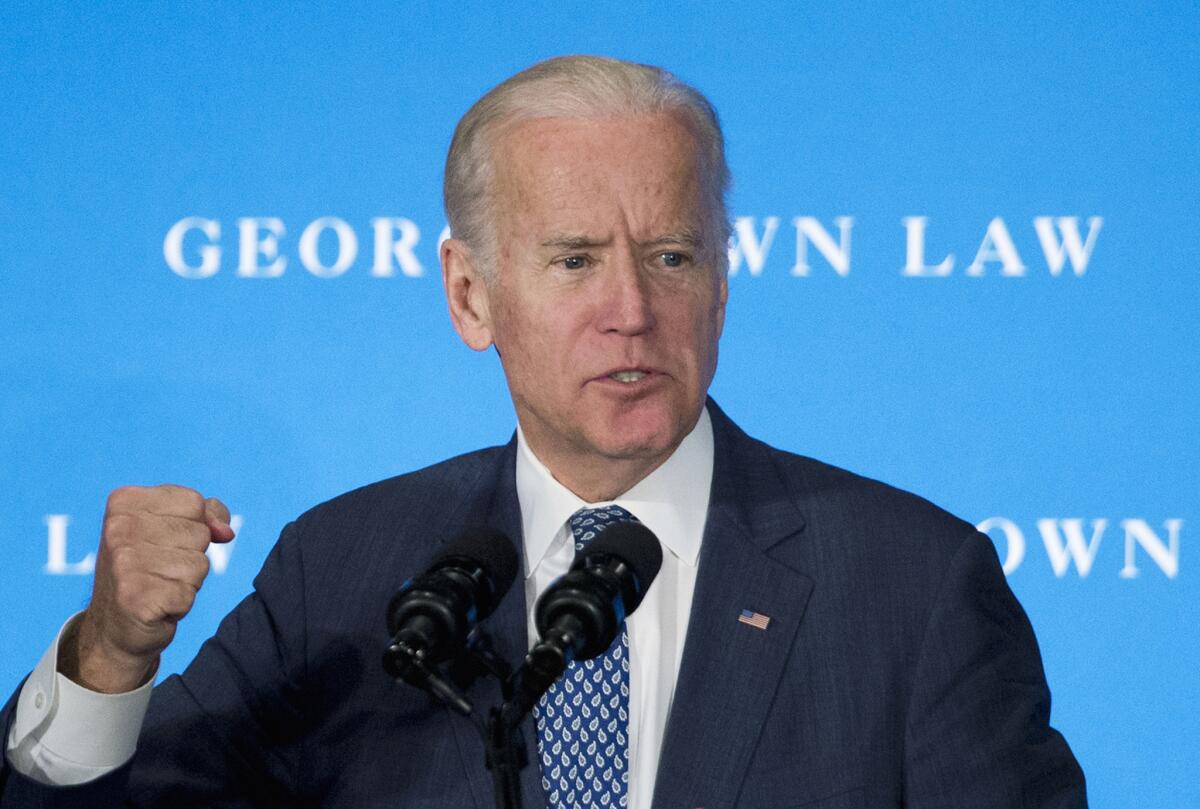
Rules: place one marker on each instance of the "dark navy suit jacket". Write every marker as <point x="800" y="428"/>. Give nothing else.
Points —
<point x="897" y="670"/>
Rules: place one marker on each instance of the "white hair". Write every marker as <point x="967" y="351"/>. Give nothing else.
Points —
<point x="573" y="87"/>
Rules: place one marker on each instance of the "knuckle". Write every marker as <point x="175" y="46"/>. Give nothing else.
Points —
<point x="121" y="496"/>
<point x="201" y="567"/>
<point x="179" y="600"/>
<point x="218" y="508"/>
<point x="122" y="560"/>
<point x="118" y="526"/>
<point x="146" y="612"/>
<point x="187" y="499"/>
<point x="194" y="502"/>
<point x="196" y="534"/>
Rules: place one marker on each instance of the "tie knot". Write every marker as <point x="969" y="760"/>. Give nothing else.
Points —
<point x="588" y="522"/>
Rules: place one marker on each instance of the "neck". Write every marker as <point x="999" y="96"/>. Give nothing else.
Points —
<point x="597" y="482"/>
<point x="590" y="474"/>
<point x="592" y="477"/>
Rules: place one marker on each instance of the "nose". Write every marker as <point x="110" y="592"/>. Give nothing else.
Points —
<point x="626" y="303"/>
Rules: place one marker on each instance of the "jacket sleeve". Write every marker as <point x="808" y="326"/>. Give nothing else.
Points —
<point x="978" y="723"/>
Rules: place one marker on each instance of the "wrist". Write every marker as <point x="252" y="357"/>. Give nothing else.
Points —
<point x="88" y="661"/>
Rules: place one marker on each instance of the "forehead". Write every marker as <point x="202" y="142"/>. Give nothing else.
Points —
<point x="572" y="172"/>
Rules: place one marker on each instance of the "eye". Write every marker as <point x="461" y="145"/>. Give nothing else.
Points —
<point x="672" y="259"/>
<point x="574" y="262"/>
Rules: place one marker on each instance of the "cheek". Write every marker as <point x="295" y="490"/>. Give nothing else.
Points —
<point x="698" y="333"/>
<point x="704" y="317"/>
<point x="529" y="345"/>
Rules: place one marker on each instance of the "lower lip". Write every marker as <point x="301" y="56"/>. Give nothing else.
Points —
<point x="608" y="383"/>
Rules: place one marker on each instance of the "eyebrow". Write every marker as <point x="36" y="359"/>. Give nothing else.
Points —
<point x="688" y="237"/>
<point x="575" y="242"/>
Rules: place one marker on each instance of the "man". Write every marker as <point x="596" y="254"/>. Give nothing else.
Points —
<point x="846" y="644"/>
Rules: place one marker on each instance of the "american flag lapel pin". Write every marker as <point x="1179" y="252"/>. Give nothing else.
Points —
<point x="754" y="619"/>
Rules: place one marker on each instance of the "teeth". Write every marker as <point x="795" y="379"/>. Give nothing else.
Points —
<point x="627" y="376"/>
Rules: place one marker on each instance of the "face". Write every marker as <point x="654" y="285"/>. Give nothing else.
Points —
<point x="607" y="304"/>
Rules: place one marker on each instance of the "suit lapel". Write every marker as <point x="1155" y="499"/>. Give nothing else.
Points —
<point x="730" y="671"/>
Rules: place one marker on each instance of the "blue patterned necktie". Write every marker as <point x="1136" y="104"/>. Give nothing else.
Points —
<point x="583" y="720"/>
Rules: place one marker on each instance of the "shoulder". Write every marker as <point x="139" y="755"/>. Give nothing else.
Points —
<point x="881" y="552"/>
<point x="414" y="496"/>
<point x="830" y="492"/>
<point x="847" y="523"/>
<point x="350" y="553"/>
<point x="398" y="522"/>
<point x="824" y="494"/>
<point x="880" y="558"/>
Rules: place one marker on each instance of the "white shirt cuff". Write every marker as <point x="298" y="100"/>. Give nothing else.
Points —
<point x="64" y="734"/>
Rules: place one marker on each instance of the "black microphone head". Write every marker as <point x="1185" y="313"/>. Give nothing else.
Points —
<point x="638" y="547"/>
<point x="487" y="547"/>
<point x="463" y="585"/>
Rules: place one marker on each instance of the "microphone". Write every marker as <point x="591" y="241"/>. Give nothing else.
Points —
<point x="432" y="615"/>
<point x="580" y="614"/>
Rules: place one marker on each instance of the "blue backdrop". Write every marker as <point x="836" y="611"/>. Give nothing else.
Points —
<point x="1047" y="393"/>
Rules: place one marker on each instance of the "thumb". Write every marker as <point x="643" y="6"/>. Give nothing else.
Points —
<point x="216" y="516"/>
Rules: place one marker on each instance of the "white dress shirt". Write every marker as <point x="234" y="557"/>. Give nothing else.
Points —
<point x="672" y="501"/>
<point x="65" y="734"/>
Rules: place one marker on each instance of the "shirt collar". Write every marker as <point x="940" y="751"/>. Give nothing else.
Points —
<point x="672" y="501"/>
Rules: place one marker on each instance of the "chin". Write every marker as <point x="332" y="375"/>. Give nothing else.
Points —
<point x="641" y="435"/>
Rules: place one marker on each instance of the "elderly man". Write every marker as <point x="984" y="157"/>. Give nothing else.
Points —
<point x="813" y="638"/>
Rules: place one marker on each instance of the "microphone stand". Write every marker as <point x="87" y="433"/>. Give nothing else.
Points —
<point x="502" y="741"/>
<point x="544" y="664"/>
<point x="505" y="758"/>
<point x="505" y="749"/>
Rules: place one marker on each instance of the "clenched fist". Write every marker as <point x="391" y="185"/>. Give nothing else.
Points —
<point x="149" y="568"/>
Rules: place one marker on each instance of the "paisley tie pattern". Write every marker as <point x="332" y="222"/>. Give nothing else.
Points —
<point x="583" y="720"/>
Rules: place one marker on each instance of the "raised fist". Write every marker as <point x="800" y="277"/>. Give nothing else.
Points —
<point x="149" y="568"/>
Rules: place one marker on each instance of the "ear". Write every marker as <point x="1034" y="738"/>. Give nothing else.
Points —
<point x="466" y="294"/>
